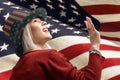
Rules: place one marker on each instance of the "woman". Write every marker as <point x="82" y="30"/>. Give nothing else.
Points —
<point x="38" y="61"/>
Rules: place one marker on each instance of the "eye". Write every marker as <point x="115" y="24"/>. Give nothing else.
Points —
<point x="34" y="20"/>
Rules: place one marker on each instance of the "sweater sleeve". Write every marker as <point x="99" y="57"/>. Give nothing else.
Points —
<point x="61" y="69"/>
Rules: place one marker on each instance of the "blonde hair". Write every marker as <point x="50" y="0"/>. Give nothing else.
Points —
<point x="28" y="43"/>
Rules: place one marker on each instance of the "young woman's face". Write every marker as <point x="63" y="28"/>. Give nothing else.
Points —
<point x="39" y="31"/>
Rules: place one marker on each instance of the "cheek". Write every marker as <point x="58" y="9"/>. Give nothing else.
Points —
<point x="36" y="30"/>
<point x="36" y="27"/>
<point x="36" y="34"/>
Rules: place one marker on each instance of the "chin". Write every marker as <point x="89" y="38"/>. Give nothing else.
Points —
<point x="49" y="37"/>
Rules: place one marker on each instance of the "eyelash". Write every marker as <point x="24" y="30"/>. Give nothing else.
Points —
<point x="35" y="21"/>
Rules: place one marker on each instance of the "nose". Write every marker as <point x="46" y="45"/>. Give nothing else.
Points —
<point x="44" y="23"/>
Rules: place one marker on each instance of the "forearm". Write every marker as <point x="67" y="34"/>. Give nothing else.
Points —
<point x="90" y="72"/>
<point x="94" y="68"/>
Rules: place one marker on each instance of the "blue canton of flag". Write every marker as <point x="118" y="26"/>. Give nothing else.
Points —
<point x="67" y="11"/>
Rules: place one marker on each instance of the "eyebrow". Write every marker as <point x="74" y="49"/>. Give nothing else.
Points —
<point x="36" y="19"/>
<point x="39" y="17"/>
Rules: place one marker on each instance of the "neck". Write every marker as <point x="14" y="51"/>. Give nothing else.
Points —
<point x="42" y="46"/>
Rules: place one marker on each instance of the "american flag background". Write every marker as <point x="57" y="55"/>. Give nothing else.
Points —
<point x="65" y="21"/>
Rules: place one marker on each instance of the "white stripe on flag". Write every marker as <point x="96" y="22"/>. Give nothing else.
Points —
<point x="97" y="2"/>
<point x="66" y="41"/>
<point x="81" y="60"/>
<point x="111" y="34"/>
<point x="8" y="61"/>
<point x="110" y="53"/>
<point x="107" y="17"/>
<point x="110" y="72"/>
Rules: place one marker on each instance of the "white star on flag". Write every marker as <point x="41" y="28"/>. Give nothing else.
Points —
<point x="55" y="30"/>
<point x="4" y="47"/>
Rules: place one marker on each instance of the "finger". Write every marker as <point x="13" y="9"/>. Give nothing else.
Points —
<point x="90" y="24"/>
<point x="89" y="20"/>
<point x="87" y="26"/>
<point x="86" y="23"/>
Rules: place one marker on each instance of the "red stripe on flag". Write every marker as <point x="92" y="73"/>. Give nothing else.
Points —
<point x="102" y="9"/>
<point x="5" y="75"/>
<point x="111" y="38"/>
<point x="11" y="19"/>
<point x="18" y="15"/>
<point x="109" y="47"/>
<point x="8" y="24"/>
<point x="110" y="26"/>
<point x="109" y="62"/>
<point x="6" y="30"/>
<point x="75" y="50"/>
<point x="115" y="77"/>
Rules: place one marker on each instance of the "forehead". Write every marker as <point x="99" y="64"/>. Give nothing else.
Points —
<point x="38" y="17"/>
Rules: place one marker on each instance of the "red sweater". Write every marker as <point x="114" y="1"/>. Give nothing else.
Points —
<point x="52" y="65"/>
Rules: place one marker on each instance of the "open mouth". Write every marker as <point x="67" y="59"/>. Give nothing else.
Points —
<point x="45" y="29"/>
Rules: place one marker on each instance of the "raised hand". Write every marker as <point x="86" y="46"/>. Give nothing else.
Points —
<point x="94" y="35"/>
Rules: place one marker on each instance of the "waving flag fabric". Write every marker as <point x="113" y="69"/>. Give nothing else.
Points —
<point x="108" y="13"/>
<point x="65" y="21"/>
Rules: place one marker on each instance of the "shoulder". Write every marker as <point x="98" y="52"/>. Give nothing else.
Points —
<point x="58" y="58"/>
<point x="44" y="53"/>
<point x="37" y="53"/>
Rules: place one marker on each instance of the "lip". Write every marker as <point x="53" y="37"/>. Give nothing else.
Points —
<point x="45" y="29"/>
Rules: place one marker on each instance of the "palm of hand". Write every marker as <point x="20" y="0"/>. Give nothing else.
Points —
<point x="94" y="35"/>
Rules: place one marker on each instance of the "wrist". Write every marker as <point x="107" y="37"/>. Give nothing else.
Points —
<point x="95" y="47"/>
<point x="95" y="51"/>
